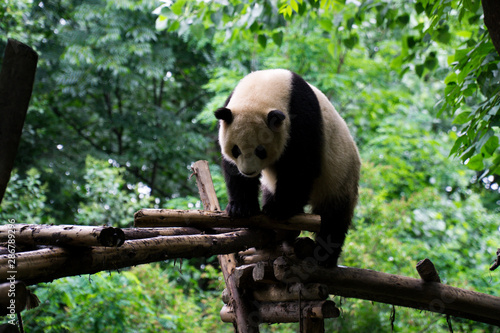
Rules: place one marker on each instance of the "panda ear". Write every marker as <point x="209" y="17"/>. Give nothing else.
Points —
<point x="224" y="114"/>
<point x="275" y="119"/>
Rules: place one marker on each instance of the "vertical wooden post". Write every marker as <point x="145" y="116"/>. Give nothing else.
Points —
<point x="241" y="307"/>
<point x="16" y="84"/>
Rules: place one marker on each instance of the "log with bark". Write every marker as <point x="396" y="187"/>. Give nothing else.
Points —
<point x="393" y="289"/>
<point x="286" y="312"/>
<point x="217" y="219"/>
<point x="53" y="262"/>
<point x="291" y="292"/>
<point x="62" y="235"/>
<point x="243" y="321"/>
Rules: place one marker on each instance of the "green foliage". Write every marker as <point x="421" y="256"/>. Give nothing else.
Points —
<point x="134" y="300"/>
<point x="25" y="200"/>
<point x="107" y="198"/>
<point x="120" y="110"/>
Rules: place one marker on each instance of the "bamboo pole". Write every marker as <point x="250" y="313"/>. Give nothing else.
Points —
<point x="393" y="289"/>
<point x="217" y="219"/>
<point x="243" y="321"/>
<point x="71" y="235"/>
<point x="50" y="263"/>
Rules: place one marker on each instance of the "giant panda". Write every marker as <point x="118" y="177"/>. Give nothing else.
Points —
<point x="280" y="133"/>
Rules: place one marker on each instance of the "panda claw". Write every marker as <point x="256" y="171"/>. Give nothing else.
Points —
<point x="234" y="209"/>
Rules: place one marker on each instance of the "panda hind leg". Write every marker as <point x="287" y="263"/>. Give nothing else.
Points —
<point x="335" y="221"/>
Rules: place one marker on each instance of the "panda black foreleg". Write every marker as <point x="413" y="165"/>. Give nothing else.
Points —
<point x="289" y="199"/>
<point x="243" y="192"/>
<point x="335" y="221"/>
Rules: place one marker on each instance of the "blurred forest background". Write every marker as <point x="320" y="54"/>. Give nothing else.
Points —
<point x="123" y="102"/>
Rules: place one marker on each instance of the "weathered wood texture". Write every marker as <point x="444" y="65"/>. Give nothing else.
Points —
<point x="427" y="271"/>
<point x="393" y="289"/>
<point x="53" y="262"/>
<point x="13" y="294"/>
<point x="243" y="320"/>
<point x="218" y="219"/>
<point x="286" y="312"/>
<point x="291" y="292"/>
<point x="16" y="84"/>
<point x="70" y="235"/>
<point x="140" y="233"/>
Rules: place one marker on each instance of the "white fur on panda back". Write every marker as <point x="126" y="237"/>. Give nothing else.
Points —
<point x="340" y="156"/>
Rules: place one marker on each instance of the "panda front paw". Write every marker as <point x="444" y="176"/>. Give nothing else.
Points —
<point x="241" y="209"/>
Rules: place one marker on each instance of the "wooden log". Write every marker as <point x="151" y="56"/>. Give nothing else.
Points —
<point x="50" y="263"/>
<point x="427" y="271"/>
<point x="287" y="312"/>
<point x="292" y="292"/>
<point x="13" y="297"/>
<point x="393" y="289"/>
<point x="263" y="272"/>
<point x="16" y="84"/>
<point x="243" y="276"/>
<point x="243" y="321"/>
<point x="63" y="235"/>
<point x="140" y="233"/>
<point x="217" y="219"/>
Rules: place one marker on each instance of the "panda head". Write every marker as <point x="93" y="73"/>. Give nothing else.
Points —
<point x="251" y="140"/>
<point x="255" y="122"/>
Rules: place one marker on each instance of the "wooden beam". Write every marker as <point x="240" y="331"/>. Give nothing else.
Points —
<point x="53" y="262"/>
<point x="16" y="84"/>
<point x="242" y="309"/>
<point x="70" y="235"/>
<point x="292" y="292"/>
<point x="217" y="219"/>
<point x="393" y="289"/>
<point x="287" y="312"/>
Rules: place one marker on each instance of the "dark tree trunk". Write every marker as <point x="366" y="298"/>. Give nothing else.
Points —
<point x="491" y="9"/>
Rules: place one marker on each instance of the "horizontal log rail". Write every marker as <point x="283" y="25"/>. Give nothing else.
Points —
<point x="393" y="289"/>
<point x="209" y="219"/>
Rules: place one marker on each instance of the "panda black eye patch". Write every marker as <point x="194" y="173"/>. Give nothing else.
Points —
<point x="260" y="152"/>
<point x="236" y="151"/>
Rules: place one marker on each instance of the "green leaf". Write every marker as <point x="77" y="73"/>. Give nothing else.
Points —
<point x="419" y="69"/>
<point x="476" y="163"/>
<point x="326" y="24"/>
<point x="278" y="38"/>
<point x="262" y="39"/>
<point x="403" y="19"/>
<point x="491" y="145"/>
<point x="351" y="41"/>
<point x="177" y="7"/>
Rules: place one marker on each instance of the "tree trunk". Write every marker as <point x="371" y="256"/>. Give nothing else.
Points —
<point x="491" y="10"/>
<point x="16" y="84"/>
